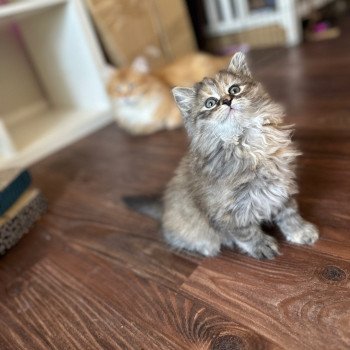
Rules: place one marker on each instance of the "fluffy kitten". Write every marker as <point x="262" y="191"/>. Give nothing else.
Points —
<point x="237" y="173"/>
<point x="143" y="102"/>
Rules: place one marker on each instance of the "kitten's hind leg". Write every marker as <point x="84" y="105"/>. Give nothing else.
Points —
<point x="252" y="240"/>
<point x="294" y="227"/>
<point x="205" y="243"/>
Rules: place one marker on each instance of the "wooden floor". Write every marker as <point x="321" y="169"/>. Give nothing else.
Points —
<point x="93" y="275"/>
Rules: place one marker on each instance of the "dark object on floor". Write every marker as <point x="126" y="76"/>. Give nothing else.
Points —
<point x="12" y="184"/>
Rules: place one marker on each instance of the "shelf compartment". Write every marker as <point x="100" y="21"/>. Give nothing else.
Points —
<point x="53" y="88"/>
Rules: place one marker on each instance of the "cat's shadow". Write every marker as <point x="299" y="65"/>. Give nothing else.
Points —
<point x="271" y="229"/>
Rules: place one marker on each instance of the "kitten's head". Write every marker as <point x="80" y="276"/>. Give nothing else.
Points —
<point x="133" y="85"/>
<point x="227" y="105"/>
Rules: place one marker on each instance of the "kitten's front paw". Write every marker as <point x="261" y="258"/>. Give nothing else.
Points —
<point x="266" y="248"/>
<point x="306" y="234"/>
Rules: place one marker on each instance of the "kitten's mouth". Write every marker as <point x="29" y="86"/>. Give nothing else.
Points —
<point x="231" y="112"/>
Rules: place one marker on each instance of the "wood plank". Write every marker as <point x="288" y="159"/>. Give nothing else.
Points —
<point x="113" y="231"/>
<point x="72" y="301"/>
<point x="298" y="301"/>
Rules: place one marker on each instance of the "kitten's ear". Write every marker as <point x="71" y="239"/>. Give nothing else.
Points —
<point x="239" y="64"/>
<point x="140" y="65"/>
<point x="184" y="98"/>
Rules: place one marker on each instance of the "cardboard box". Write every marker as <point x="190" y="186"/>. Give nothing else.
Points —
<point x="159" y="29"/>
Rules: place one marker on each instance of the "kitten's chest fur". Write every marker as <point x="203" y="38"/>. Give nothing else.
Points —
<point x="252" y="190"/>
<point x="262" y="196"/>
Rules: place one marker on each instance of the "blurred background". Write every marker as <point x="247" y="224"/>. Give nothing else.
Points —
<point x="164" y="30"/>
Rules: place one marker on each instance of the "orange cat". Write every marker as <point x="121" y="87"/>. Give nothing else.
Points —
<point x="192" y="68"/>
<point x="143" y="102"/>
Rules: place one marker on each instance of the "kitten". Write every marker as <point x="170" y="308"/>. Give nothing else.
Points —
<point x="143" y="104"/>
<point x="237" y="173"/>
<point x="142" y="100"/>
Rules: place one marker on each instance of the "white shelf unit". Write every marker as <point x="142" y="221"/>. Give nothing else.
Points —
<point x="51" y="79"/>
<point x="232" y="16"/>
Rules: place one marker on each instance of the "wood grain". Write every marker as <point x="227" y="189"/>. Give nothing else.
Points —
<point x="99" y="306"/>
<point x="288" y="299"/>
<point x="93" y="275"/>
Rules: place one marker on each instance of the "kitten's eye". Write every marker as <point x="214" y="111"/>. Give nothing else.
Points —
<point x="210" y="102"/>
<point x="234" y="90"/>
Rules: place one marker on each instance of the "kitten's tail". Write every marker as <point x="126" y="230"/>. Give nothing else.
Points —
<point x="148" y="205"/>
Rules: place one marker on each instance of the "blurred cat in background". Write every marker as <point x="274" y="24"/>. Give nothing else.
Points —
<point x="143" y="103"/>
<point x="142" y="100"/>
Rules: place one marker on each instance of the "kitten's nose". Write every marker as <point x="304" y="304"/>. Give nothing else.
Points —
<point x="226" y="101"/>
